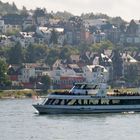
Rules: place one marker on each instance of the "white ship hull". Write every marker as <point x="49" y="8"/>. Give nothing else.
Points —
<point x="51" y="109"/>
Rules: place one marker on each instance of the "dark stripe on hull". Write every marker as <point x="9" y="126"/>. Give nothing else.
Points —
<point x="44" y="110"/>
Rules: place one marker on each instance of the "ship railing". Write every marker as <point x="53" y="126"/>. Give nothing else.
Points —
<point x="125" y="94"/>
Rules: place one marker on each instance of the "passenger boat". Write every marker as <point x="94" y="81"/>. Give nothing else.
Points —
<point x="86" y="98"/>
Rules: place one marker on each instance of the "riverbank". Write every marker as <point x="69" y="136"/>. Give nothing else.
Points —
<point x="29" y="93"/>
<point x="23" y="93"/>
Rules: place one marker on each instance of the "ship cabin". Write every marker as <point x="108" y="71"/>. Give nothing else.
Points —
<point x="84" y="89"/>
<point x="90" y="94"/>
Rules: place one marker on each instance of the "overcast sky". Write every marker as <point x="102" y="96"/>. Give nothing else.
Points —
<point x="127" y="9"/>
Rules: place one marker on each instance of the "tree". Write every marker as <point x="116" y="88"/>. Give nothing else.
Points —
<point x="16" y="55"/>
<point x="54" y="37"/>
<point x="39" y="13"/>
<point x="14" y="7"/>
<point x="4" y="80"/>
<point x="53" y="55"/>
<point x="46" y="81"/>
<point x="63" y="15"/>
<point x="117" y="21"/>
<point x="8" y="8"/>
<point x="24" y="11"/>
<point x="34" y="53"/>
<point x="30" y="54"/>
<point x="83" y="48"/>
<point x="117" y="64"/>
<point x="131" y="74"/>
<point x="65" y="53"/>
<point x="123" y="28"/>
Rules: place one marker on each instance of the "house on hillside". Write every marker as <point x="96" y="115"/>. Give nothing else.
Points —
<point x="106" y="61"/>
<point x="13" y="22"/>
<point x="88" y="57"/>
<point x="99" y="36"/>
<point x="28" y="74"/>
<point x="94" y="22"/>
<point x="25" y="38"/>
<point x="74" y="58"/>
<point x="5" y="41"/>
<point x="78" y="70"/>
<point x="64" y="75"/>
<point x="13" y="72"/>
<point x="132" y="35"/>
<point x="39" y="39"/>
<point x="28" y="23"/>
<point x="130" y="69"/>
<point x="95" y="73"/>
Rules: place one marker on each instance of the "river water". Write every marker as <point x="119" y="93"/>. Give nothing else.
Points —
<point x="19" y="121"/>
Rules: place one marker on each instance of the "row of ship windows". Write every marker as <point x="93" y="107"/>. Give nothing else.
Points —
<point x="91" y="102"/>
<point x="67" y="81"/>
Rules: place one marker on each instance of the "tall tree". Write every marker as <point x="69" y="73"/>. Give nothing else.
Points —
<point x="14" y="7"/>
<point x="117" y="64"/>
<point x="35" y="52"/>
<point x="53" y="55"/>
<point x="4" y="81"/>
<point x="54" y="37"/>
<point x="16" y="55"/>
<point x="65" y="53"/>
<point x="46" y="81"/>
<point x="30" y="54"/>
<point x="24" y="11"/>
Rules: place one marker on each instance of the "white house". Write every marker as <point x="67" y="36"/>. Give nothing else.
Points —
<point x="26" y="74"/>
<point x="95" y="73"/>
<point x="25" y="38"/>
<point x="61" y="71"/>
<point x="4" y="41"/>
<point x="45" y="32"/>
<point x="95" y="22"/>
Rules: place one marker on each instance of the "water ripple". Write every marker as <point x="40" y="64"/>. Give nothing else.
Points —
<point x="18" y="121"/>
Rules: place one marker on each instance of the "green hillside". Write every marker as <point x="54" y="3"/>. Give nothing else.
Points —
<point x="8" y="8"/>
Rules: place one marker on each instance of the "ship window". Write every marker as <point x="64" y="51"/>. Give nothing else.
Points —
<point x="66" y="102"/>
<point x="85" y="102"/>
<point x="93" y="101"/>
<point x="62" y="102"/>
<point x="46" y="101"/>
<point x="104" y="101"/>
<point x="49" y="101"/>
<point x="79" y="102"/>
<point x="90" y="87"/>
<point x="82" y="102"/>
<point x="72" y="102"/>
<point x="130" y="102"/>
<point x="76" y="102"/>
<point x="78" y="86"/>
<point x="115" y="101"/>
<point x="57" y="102"/>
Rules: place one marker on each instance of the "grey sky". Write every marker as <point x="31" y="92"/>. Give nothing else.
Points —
<point x="127" y="9"/>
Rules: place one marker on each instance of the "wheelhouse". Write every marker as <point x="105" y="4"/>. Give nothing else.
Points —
<point x="84" y="88"/>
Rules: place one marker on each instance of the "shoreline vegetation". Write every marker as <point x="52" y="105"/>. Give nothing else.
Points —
<point x="11" y="94"/>
<point x="30" y="93"/>
<point x="25" y="93"/>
